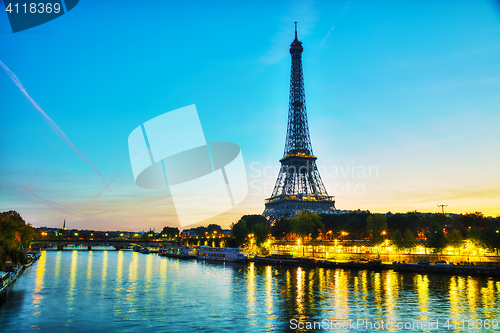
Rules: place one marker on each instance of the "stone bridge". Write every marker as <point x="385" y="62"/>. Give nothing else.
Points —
<point x="117" y="243"/>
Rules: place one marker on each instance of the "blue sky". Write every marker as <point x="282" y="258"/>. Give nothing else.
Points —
<point x="408" y="88"/>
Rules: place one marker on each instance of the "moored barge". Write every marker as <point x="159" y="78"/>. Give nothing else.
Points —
<point x="284" y="259"/>
<point x="182" y="252"/>
<point x="221" y="254"/>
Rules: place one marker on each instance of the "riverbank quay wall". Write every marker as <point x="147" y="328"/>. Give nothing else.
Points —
<point x="347" y="250"/>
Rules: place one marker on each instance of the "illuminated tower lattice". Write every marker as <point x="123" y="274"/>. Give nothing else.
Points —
<point x="299" y="185"/>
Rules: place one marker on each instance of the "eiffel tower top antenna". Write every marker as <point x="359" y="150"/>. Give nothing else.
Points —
<point x="295" y="30"/>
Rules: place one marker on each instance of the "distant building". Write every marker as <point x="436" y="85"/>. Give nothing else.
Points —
<point x="337" y="212"/>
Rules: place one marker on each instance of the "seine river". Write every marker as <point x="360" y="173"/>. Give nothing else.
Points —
<point x="125" y="291"/>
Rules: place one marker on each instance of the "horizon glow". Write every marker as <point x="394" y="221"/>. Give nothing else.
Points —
<point x="409" y="90"/>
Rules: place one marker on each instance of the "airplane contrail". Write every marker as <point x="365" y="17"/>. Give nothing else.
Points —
<point x="51" y="123"/>
<point x="54" y="205"/>
<point x="125" y="168"/>
<point x="70" y="184"/>
<point x="28" y="189"/>
<point x="99" y="194"/>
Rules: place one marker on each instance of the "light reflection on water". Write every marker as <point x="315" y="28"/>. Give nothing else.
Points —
<point x="251" y="293"/>
<point x="89" y="270"/>
<point x="127" y="291"/>
<point x="36" y="294"/>
<point x="422" y="290"/>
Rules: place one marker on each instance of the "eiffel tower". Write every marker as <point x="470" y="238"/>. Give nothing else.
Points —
<point x="299" y="185"/>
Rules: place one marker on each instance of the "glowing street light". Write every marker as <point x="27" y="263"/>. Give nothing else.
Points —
<point x="442" y="208"/>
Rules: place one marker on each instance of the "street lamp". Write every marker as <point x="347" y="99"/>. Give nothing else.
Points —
<point x="442" y="208"/>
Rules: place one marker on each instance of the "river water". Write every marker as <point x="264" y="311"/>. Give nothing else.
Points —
<point x="125" y="291"/>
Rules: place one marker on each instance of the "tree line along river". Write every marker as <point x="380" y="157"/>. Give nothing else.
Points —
<point x="126" y="291"/>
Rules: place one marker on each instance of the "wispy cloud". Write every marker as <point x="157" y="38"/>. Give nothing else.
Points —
<point x="431" y="143"/>
<point x="389" y="153"/>
<point x="491" y="48"/>
<point x="51" y="204"/>
<point x="486" y="80"/>
<point x="450" y="194"/>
